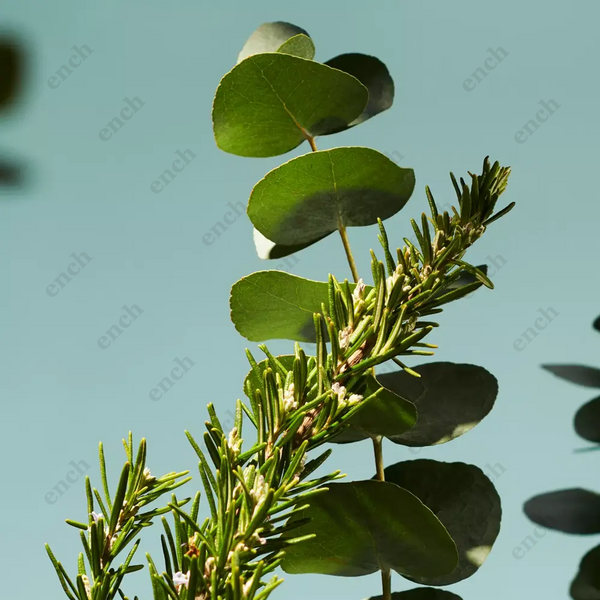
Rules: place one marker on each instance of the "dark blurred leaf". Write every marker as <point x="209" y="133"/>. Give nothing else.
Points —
<point x="597" y="324"/>
<point x="421" y="594"/>
<point x="450" y="399"/>
<point x="580" y="374"/>
<point x="586" y="586"/>
<point x="269" y="37"/>
<point x="587" y="421"/>
<point x="363" y="526"/>
<point x="570" y="511"/>
<point x="463" y="499"/>
<point x="11" y="174"/>
<point x="373" y="74"/>
<point x="11" y="72"/>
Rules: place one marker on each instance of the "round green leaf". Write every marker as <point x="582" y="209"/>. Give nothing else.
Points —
<point x="299" y="45"/>
<point x="306" y="198"/>
<point x="373" y="74"/>
<point x="269" y="37"/>
<point x="364" y="526"/>
<point x="570" y="511"/>
<point x="389" y="414"/>
<point x="422" y="594"/>
<point x="270" y="103"/>
<point x="450" y="399"/>
<point x="276" y="305"/>
<point x="586" y="586"/>
<point x="579" y="374"/>
<point x="587" y="421"/>
<point x="464" y="500"/>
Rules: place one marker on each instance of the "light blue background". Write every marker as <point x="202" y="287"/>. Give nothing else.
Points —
<point x="61" y="393"/>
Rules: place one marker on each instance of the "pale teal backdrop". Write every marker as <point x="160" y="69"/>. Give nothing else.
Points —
<point x="62" y="392"/>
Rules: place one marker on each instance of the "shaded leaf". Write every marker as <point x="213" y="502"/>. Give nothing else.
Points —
<point x="450" y="399"/>
<point x="299" y="45"/>
<point x="586" y="585"/>
<point x="276" y="305"/>
<point x="270" y="103"/>
<point x="463" y="499"/>
<point x="269" y="37"/>
<point x="389" y="414"/>
<point x="11" y="72"/>
<point x="373" y="74"/>
<point x="365" y="525"/>
<point x="422" y="594"/>
<point x="570" y="511"/>
<point x="579" y="374"/>
<point x="303" y="200"/>
<point x="597" y="324"/>
<point x="587" y="421"/>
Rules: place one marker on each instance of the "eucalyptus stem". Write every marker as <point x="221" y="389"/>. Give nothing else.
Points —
<point x="386" y="574"/>
<point x="346" y="242"/>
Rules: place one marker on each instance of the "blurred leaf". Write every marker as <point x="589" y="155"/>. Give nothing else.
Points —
<point x="269" y="37"/>
<point x="463" y="499"/>
<point x="421" y="594"/>
<point x="388" y="414"/>
<point x="586" y="586"/>
<point x="270" y="103"/>
<point x="579" y="374"/>
<point x="587" y="421"/>
<point x="570" y="511"/>
<point x="11" y="72"/>
<point x="373" y="74"/>
<point x="299" y="45"/>
<point x="365" y="525"/>
<point x="304" y="200"/>
<point x="597" y="324"/>
<point x="450" y="399"/>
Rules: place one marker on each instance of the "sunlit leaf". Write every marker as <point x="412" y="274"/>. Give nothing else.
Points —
<point x="299" y="45"/>
<point x="308" y="197"/>
<point x="270" y="103"/>
<point x="269" y="37"/>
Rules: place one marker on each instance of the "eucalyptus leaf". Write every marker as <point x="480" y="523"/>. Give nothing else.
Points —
<point x="276" y="305"/>
<point x="463" y="499"/>
<point x="374" y="75"/>
<point x="270" y="103"/>
<point x="269" y="37"/>
<point x="421" y="594"/>
<point x="389" y="414"/>
<point x="299" y="45"/>
<point x="11" y="72"/>
<point x="268" y="250"/>
<point x="579" y="374"/>
<point x="308" y="197"/>
<point x="597" y="324"/>
<point x="587" y="421"/>
<point x="586" y="586"/>
<point x="450" y="399"/>
<point x="364" y="526"/>
<point x="570" y="511"/>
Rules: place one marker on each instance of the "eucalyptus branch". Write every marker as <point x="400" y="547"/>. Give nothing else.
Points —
<point x="295" y="409"/>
